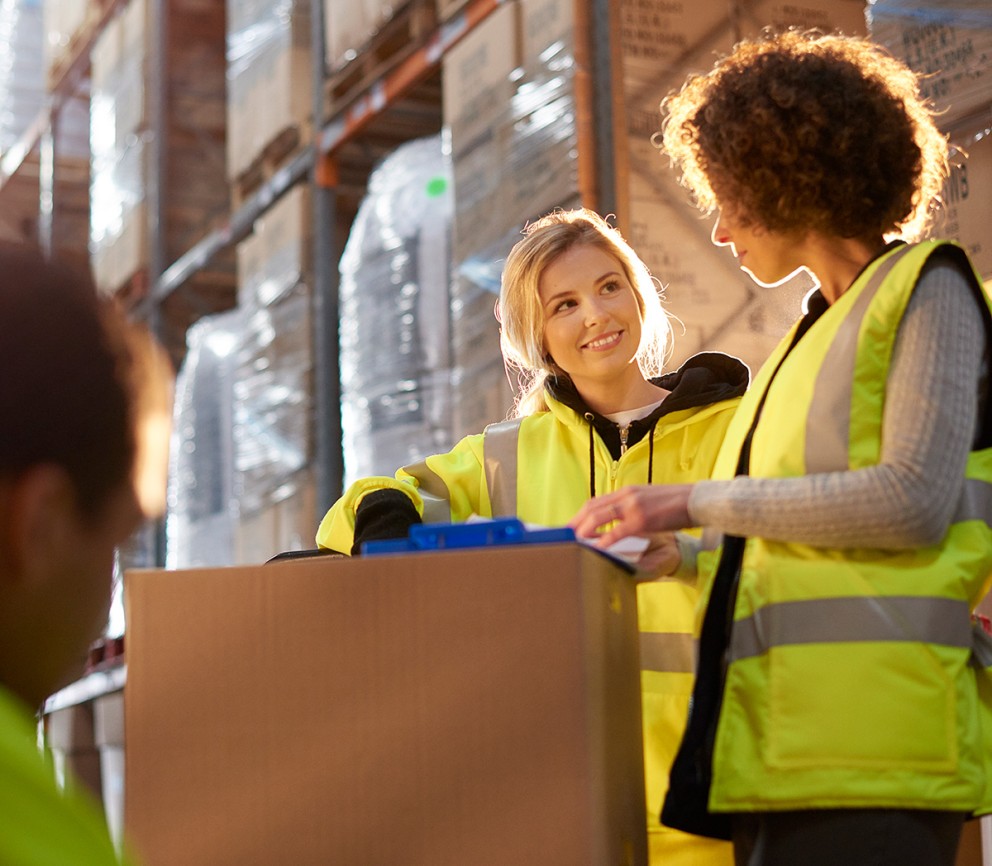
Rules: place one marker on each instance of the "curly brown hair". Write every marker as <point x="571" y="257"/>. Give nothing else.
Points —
<point x="804" y="131"/>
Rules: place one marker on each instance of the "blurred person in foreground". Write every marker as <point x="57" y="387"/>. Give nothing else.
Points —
<point x="583" y="326"/>
<point x="838" y="712"/>
<point x="83" y="427"/>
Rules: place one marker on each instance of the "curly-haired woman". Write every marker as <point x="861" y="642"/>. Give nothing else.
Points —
<point x="837" y="714"/>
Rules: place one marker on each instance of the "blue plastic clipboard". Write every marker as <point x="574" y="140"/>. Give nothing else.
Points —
<point x="457" y="536"/>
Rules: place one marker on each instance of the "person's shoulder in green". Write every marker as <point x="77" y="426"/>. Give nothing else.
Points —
<point x="41" y="825"/>
<point x="75" y="481"/>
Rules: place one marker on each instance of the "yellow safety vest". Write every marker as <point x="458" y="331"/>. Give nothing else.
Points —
<point x="852" y="678"/>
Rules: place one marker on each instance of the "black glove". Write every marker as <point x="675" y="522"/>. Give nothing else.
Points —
<point x="382" y="515"/>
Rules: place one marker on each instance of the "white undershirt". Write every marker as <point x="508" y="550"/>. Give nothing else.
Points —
<point x="625" y="418"/>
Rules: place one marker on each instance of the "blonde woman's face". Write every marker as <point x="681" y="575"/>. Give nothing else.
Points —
<point x="592" y="321"/>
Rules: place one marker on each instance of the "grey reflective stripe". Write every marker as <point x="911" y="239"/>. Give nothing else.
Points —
<point x="499" y="455"/>
<point x="975" y="502"/>
<point x="434" y="492"/>
<point x="981" y="647"/>
<point x="668" y="652"/>
<point x="828" y="424"/>
<point x="853" y="618"/>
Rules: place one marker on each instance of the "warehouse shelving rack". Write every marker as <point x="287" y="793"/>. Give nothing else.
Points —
<point x="348" y="139"/>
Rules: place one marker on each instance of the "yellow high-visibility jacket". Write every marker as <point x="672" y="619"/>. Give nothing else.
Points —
<point x="40" y="824"/>
<point x="854" y="677"/>
<point x="542" y="468"/>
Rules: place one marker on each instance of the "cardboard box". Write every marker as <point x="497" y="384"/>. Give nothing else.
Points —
<point x="719" y="308"/>
<point x="69" y="734"/>
<point x="845" y="16"/>
<point x="477" y="78"/>
<point x="967" y="211"/>
<point x="950" y="43"/>
<point x="269" y="81"/>
<point x="346" y="29"/>
<point x="477" y="706"/>
<point x="544" y="25"/>
<point x="108" y="732"/>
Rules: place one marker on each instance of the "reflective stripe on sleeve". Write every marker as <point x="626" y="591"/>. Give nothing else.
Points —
<point x="499" y="453"/>
<point x="975" y="502"/>
<point x="433" y="491"/>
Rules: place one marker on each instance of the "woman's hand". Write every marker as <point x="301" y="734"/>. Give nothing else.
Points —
<point x="662" y="557"/>
<point x="642" y="510"/>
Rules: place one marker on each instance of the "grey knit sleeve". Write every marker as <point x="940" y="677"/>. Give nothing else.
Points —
<point x="928" y="427"/>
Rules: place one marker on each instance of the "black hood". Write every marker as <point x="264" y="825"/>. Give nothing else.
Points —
<point x="706" y="378"/>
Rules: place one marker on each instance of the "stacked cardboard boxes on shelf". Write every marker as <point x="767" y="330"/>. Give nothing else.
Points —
<point x="270" y="82"/>
<point x="273" y="402"/>
<point x="202" y="511"/>
<point x="719" y="306"/>
<point x="119" y="164"/>
<point x="394" y="315"/>
<point x="371" y="34"/>
<point x="951" y="45"/>
<point x="246" y="416"/>
<point x="193" y="191"/>
<point x="241" y="485"/>
<point x="510" y="107"/>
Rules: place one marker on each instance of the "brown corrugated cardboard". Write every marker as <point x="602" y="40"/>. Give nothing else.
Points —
<point x="721" y="308"/>
<point x="949" y="42"/>
<point x="967" y="211"/>
<point x="845" y="16"/>
<point x="69" y="734"/>
<point x="346" y="28"/>
<point x="463" y="707"/>
<point x="477" y="78"/>
<point x="108" y="727"/>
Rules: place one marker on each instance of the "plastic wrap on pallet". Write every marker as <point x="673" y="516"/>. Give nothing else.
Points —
<point x="117" y="149"/>
<point x="394" y="296"/>
<point x="272" y="404"/>
<point x="267" y="74"/>
<point x="542" y="159"/>
<point x="202" y="510"/>
<point x="274" y="258"/>
<point x="524" y="166"/>
<point x="950" y="42"/>
<point x="22" y="75"/>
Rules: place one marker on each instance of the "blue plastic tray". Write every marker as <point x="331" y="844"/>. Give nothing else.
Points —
<point x="454" y="536"/>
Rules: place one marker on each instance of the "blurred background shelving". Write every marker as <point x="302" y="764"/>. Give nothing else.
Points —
<point x="309" y="202"/>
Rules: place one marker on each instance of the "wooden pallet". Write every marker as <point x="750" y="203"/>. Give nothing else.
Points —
<point x="409" y="27"/>
<point x="272" y="157"/>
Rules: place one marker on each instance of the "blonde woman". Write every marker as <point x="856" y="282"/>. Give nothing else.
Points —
<point x="583" y="326"/>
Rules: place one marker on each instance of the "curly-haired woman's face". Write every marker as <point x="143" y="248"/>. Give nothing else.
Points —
<point x="768" y="257"/>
